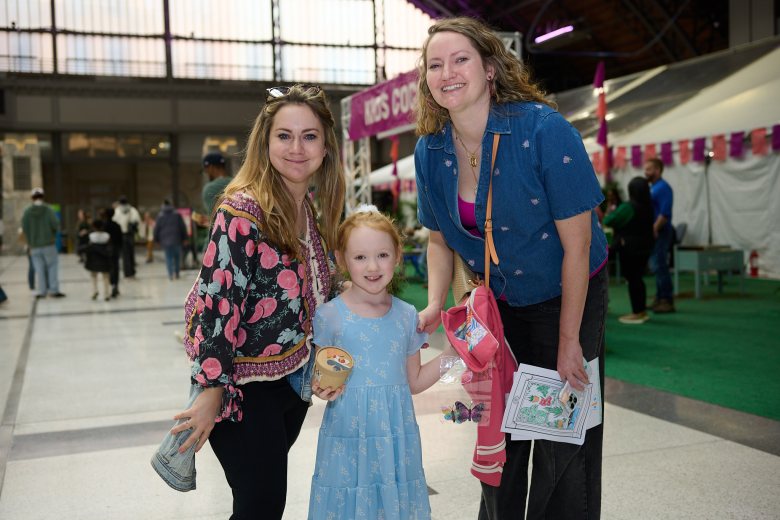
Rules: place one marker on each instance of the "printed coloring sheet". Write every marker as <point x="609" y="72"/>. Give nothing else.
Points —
<point x="533" y="410"/>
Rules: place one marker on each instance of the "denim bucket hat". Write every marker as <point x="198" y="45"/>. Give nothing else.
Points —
<point x="177" y="469"/>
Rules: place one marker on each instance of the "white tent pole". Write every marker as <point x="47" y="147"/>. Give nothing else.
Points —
<point x="357" y="163"/>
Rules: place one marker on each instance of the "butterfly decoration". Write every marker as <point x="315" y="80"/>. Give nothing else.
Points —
<point x="460" y="413"/>
<point x="339" y="363"/>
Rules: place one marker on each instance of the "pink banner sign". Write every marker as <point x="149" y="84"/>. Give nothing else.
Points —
<point x="383" y="107"/>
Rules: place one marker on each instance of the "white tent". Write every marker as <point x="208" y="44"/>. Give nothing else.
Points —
<point x="735" y="202"/>
<point x="384" y="174"/>
<point x="745" y="100"/>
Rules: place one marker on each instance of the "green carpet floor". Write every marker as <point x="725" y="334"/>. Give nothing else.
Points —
<point x="723" y="348"/>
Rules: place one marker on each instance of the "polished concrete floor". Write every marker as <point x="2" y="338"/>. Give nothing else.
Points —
<point x="88" y="388"/>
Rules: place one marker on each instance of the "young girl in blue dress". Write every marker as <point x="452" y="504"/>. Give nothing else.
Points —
<point x="369" y="459"/>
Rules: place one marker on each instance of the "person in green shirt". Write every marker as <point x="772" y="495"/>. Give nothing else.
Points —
<point x="633" y="240"/>
<point x="40" y="226"/>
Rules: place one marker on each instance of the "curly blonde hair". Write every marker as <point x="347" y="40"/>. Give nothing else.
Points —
<point x="512" y="81"/>
<point x="262" y="181"/>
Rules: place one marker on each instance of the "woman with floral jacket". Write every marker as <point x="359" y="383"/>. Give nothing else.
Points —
<point x="264" y="271"/>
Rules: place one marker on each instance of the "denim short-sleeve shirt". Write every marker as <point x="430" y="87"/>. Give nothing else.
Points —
<point x="542" y="174"/>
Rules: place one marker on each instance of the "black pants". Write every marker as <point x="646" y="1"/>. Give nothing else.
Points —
<point x="566" y="478"/>
<point x="253" y="452"/>
<point x="128" y="254"/>
<point x="113" y="274"/>
<point x="632" y="267"/>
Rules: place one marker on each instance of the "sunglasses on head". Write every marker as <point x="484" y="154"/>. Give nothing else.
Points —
<point x="281" y="91"/>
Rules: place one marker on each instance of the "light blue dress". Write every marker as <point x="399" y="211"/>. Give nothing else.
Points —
<point x="369" y="458"/>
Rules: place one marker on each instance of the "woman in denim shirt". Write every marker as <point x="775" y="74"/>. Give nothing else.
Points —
<point x="550" y="283"/>
<point x="264" y="271"/>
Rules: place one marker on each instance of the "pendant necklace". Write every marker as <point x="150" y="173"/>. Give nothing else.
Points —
<point x="472" y="160"/>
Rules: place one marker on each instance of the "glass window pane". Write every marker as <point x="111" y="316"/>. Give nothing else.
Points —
<point x="404" y="24"/>
<point x="222" y="60"/>
<point x="226" y="19"/>
<point x="397" y="62"/>
<point x="328" y="65"/>
<point x="26" y="52"/>
<point x="111" y="56"/>
<point x="29" y="14"/>
<point x="342" y="22"/>
<point x="110" y="16"/>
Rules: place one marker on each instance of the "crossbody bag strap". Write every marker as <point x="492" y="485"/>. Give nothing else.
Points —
<point x="490" y="247"/>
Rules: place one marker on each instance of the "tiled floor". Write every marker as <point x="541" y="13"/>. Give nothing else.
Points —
<point x="88" y="389"/>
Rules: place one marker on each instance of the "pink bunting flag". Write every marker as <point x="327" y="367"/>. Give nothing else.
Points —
<point x="758" y="141"/>
<point x="685" y="151"/>
<point x="698" y="148"/>
<point x="719" y="147"/>
<point x="736" y="144"/>
<point x="601" y="138"/>
<point x="666" y="154"/>
<point x="776" y="138"/>
<point x="620" y="157"/>
<point x="650" y="152"/>
<point x="636" y="156"/>
<point x="598" y="163"/>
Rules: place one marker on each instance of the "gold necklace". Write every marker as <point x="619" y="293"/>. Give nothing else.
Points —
<point x="472" y="155"/>
<point x="472" y="161"/>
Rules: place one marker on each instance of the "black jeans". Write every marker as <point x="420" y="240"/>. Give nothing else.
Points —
<point x="632" y="267"/>
<point x="128" y="254"/>
<point x="566" y="478"/>
<point x="253" y="452"/>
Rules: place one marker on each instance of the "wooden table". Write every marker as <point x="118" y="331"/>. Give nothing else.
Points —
<point x="701" y="260"/>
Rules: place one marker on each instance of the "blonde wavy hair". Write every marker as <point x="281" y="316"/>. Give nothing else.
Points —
<point x="512" y="81"/>
<point x="264" y="183"/>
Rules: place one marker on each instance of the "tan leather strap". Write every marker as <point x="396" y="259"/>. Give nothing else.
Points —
<point x="490" y="247"/>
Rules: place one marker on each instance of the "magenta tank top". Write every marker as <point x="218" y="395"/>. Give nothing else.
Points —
<point x="468" y="217"/>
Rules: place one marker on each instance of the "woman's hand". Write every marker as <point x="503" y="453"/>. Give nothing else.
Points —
<point x="199" y="418"/>
<point x="327" y="393"/>
<point x="428" y="319"/>
<point x="570" y="366"/>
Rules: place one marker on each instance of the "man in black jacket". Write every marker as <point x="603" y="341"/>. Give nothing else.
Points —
<point x="115" y="232"/>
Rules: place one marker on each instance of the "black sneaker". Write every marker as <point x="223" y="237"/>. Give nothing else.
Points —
<point x="57" y="295"/>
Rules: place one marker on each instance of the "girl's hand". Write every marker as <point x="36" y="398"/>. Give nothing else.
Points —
<point x="199" y="418"/>
<point x="327" y="393"/>
<point x="428" y="319"/>
<point x="570" y="366"/>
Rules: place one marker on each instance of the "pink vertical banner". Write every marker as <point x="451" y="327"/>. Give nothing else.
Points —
<point x="598" y="163"/>
<point x="776" y="138"/>
<point x="666" y="154"/>
<point x="620" y="157"/>
<point x="650" y="151"/>
<point x="685" y="151"/>
<point x="758" y="141"/>
<point x="699" y="145"/>
<point x="636" y="156"/>
<point x="736" y="144"/>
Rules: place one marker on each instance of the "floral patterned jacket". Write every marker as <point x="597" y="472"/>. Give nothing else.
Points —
<point x="248" y="313"/>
